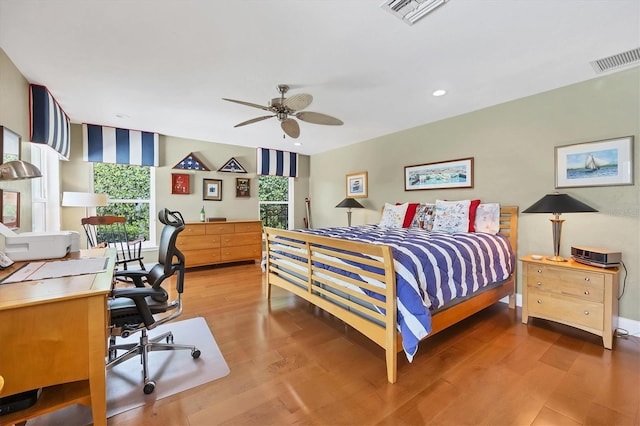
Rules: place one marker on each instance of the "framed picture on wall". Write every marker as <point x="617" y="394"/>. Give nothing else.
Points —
<point x="242" y="188"/>
<point x="357" y="185"/>
<point x="600" y="163"/>
<point x="440" y="175"/>
<point x="180" y="183"/>
<point x="10" y="144"/>
<point x="10" y="208"/>
<point x="212" y="189"/>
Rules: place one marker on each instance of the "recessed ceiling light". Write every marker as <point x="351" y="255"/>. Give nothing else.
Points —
<point x="439" y="92"/>
<point x="297" y="144"/>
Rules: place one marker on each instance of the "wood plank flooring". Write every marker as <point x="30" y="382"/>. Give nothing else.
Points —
<point x="294" y="364"/>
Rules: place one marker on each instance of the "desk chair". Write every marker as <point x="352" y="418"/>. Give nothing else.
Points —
<point x="112" y="231"/>
<point x="142" y="308"/>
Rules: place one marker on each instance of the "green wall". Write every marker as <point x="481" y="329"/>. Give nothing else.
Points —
<point x="513" y="145"/>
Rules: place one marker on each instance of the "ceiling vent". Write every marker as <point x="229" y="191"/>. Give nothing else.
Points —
<point x="410" y="11"/>
<point x="630" y="57"/>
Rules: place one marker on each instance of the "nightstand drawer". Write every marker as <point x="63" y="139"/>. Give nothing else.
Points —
<point x="566" y="310"/>
<point x="583" y="284"/>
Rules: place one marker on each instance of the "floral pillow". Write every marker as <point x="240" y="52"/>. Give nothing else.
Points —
<point x="452" y="216"/>
<point x="488" y="218"/>
<point x="424" y="213"/>
<point x="393" y="215"/>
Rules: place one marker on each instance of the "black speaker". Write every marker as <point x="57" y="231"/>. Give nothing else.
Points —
<point x="19" y="401"/>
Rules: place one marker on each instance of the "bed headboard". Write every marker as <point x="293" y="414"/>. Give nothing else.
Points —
<point x="509" y="225"/>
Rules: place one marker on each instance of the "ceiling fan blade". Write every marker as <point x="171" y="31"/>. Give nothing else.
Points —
<point x="317" y="118"/>
<point x="266" y="108"/>
<point x="290" y="127"/>
<point x="254" y="120"/>
<point x="298" y="101"/>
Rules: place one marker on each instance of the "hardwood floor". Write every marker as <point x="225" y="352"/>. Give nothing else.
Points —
<point x="294" y="364"/>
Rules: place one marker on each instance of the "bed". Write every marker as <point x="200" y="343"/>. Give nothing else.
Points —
<point x="355" y="275"/>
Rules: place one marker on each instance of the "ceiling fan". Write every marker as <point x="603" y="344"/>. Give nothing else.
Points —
<point x="286" y="108"/>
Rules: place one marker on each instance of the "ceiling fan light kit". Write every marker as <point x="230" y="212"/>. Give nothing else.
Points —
<point x="284" y="109"/>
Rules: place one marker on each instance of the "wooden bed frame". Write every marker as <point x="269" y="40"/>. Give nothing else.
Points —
<point x="319" y="286"/>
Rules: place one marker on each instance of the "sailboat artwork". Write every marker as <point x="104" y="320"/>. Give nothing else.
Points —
<point x="598" y="163"/>
<point x="592" y="164"/>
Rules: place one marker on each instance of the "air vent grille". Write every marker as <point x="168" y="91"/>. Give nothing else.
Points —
<point x="630" y="57"/>
<point x="411" y="11"/>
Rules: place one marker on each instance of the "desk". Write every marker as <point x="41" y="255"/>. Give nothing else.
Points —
<point x="54" y="336"/>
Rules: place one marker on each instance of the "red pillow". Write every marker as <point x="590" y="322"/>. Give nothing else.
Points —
<point x="472" y="214"/>
<point x="411" y="212"/>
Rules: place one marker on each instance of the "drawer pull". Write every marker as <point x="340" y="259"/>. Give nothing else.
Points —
<point x="586" y="292"/>
<point x="539" y="271"/>
<point x="539" y="302"/>
<point x="586" y="313"/>
<point x="539" y="284"/>
<point x="587" y="279"/>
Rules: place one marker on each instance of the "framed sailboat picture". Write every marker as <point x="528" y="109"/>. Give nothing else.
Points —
<point x="599" y="163"/>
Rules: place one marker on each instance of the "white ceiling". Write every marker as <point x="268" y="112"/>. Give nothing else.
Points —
<point x="165" y="65"/>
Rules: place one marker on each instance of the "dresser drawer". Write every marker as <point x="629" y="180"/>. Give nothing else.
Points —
<point x="232" y="240"/>
<point x="192" y="229"/>
<point x="585" y="285"/>
<point x="220" y="228"/>
<point x="248" y="227"/>
<point x="241" y="252"/>
<point x="567" y="310"/>
<point x="201" y="257"/>
<point x="197" y="242"/>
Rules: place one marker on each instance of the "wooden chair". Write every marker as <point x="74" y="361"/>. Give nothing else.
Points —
<point x="111" y="231"/>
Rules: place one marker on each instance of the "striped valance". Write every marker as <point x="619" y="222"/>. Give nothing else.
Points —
<point x="49" y="123"/>
<point x="277" y="163"/>
<point x="103" y="144"/>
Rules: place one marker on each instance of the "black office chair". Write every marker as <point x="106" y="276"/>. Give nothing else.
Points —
<point x="144" y="307"/>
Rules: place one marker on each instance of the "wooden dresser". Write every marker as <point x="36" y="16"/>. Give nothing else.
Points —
<point x="210" y="243"/>
<point x="582" y="296"/>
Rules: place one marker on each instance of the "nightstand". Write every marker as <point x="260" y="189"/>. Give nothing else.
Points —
<point x="581" y="296"/>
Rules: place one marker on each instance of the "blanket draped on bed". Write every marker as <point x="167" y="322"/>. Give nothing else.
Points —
<point x="433" y="269"/>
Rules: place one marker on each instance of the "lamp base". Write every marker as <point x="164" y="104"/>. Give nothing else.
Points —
<point x="556" y="258"/>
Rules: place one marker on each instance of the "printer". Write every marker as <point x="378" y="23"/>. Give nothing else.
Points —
<point x="39" y="245"/>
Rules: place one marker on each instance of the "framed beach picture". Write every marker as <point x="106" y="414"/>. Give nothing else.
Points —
<point x="212" y="189"/>
<point x="599" y="163"/>
<point x="440" y="175"/>
<point x="357" y="185"/>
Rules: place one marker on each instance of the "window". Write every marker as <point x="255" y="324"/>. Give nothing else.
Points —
<point x="45" y="191"/>
<point x="275" y="201"/>
<point x="129" y="189"/>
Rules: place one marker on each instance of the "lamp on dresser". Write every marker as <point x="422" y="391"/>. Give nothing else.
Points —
<point x="350" y="203"/>
<point x="557" y="204"/>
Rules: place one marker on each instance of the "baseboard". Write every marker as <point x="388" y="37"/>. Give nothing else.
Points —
<point x="625" y="325"/>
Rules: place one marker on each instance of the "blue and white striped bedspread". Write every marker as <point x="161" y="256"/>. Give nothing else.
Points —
<point x="432" y="269"/>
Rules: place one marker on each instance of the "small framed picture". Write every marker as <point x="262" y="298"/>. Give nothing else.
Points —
<point x="9" y="144"/>
<point x="242" y="188"/>
<point x="357" y="185"/>
<point x="179" y="183"/>
<point x="600" y="163"/>
<point x="10" y="208"/>
<point x="212" y="189"/>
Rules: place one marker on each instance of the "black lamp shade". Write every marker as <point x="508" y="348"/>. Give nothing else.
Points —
<point x="559" y="203"/>
<point x="350" y="203"/>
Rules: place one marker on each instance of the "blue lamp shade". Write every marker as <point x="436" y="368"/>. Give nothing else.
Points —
<point x="557" y="204"/>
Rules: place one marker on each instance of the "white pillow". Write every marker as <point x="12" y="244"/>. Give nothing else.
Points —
<point x="488" y="218"/>
<point x="452" y="216"/>
<point x="393" y="215"/>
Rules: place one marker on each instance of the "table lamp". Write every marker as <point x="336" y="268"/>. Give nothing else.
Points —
<point x="83" y="199"/>
<point x="18" y="170"/>
<point x="350" y="203"/>
<point x="557" y="204"/>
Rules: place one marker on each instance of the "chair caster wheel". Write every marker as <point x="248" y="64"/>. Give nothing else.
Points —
<point x="195" y="353"/>
<point x="149" y="387"/>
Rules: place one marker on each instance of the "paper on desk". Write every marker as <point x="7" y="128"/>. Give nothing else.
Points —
<point x="60" y="268"/>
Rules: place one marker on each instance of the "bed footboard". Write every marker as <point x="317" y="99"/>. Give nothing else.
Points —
<point x="332" y="274"/>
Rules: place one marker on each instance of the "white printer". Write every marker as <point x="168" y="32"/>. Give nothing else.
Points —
<point x="39" y="245"/>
